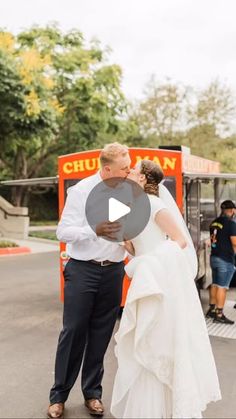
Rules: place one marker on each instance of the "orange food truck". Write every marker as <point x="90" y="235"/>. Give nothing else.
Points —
<point x="196" y="184"/>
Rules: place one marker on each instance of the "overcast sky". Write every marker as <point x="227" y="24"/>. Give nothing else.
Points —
<point x="190" y="41"/>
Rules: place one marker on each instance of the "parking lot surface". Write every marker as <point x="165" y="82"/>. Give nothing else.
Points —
<point x="30" y="321"/>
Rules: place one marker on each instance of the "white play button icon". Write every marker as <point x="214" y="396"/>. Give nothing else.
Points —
<point x="117" y="210"/>
<point x="122" y="201"/>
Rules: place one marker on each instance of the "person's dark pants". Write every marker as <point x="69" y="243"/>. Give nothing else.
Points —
<point x="91" y="306"/>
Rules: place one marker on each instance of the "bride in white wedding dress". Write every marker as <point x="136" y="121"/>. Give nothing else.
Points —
<point x="166" y="367"/>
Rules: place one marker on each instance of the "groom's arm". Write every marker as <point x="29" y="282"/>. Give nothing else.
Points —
<point x="72" y="227"/>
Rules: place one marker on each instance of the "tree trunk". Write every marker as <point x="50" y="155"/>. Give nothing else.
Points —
<point x="20" y="172"/>
<point x="17" y="195"/>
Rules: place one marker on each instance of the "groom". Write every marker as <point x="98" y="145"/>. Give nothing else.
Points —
<point x="93" y="289"/>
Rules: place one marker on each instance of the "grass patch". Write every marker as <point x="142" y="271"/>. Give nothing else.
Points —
<point x="44" y="223"/>
<point x="50" y="235"/>
<point x="5" y="243"/>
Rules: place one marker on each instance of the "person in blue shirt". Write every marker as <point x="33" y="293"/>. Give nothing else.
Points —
<point x="223" y="248"/>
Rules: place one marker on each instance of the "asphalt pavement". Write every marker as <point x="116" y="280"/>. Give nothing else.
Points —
<point x="30" y="321"/>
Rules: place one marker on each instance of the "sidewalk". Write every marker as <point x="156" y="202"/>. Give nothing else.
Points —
<point x="35" y="245"/>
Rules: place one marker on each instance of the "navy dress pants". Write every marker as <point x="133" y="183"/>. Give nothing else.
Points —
<point x="91" y="306"/>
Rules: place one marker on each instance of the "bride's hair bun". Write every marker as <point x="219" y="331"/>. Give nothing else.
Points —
<point x="154" y="176"/>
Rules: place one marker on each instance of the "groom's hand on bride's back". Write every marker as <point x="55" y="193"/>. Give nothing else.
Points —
<point x="108" y="229"/>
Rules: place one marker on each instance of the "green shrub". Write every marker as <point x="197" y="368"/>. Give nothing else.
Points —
<point x="44" y="223"/>
<point x="50" y="235"/>
<point x="4" y="243"/>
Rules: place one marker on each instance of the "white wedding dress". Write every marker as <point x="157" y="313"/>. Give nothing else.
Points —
<point x="166" y="367"/>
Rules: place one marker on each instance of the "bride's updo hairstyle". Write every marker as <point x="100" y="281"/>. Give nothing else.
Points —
<point x="154" y="176"/>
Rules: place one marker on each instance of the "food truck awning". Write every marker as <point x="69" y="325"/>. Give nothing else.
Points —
<point x="53" y="180"/>
<point x="209" y="176"/>
<point x="40" y="181"/>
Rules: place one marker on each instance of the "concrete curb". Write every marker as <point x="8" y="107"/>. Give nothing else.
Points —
<point x="8" y="251"/>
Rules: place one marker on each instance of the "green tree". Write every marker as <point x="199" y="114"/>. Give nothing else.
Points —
<point x="227" y="154"/>
<point x="28" y="118"/>
<point x="57" y="95"/>
<point x="161" y="114"/>
<point x="213" y="106"/>
<point x="171" y="114"/>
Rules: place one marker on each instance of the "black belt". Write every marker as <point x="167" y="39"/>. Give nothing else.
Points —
<point x="103" y="262"/>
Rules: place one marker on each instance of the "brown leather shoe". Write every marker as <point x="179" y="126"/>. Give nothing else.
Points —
<point x="56" y="410"/>
<point x="95" y="407"/>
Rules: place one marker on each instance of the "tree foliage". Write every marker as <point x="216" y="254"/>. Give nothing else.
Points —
<point x="173" y="114"/>
<point x="215" y="107"/>
<point x="162" y="112"/>
<point x="58" y="96"/>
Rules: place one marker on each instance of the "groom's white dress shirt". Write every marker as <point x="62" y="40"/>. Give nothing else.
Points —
<point x="74" y="230"/>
